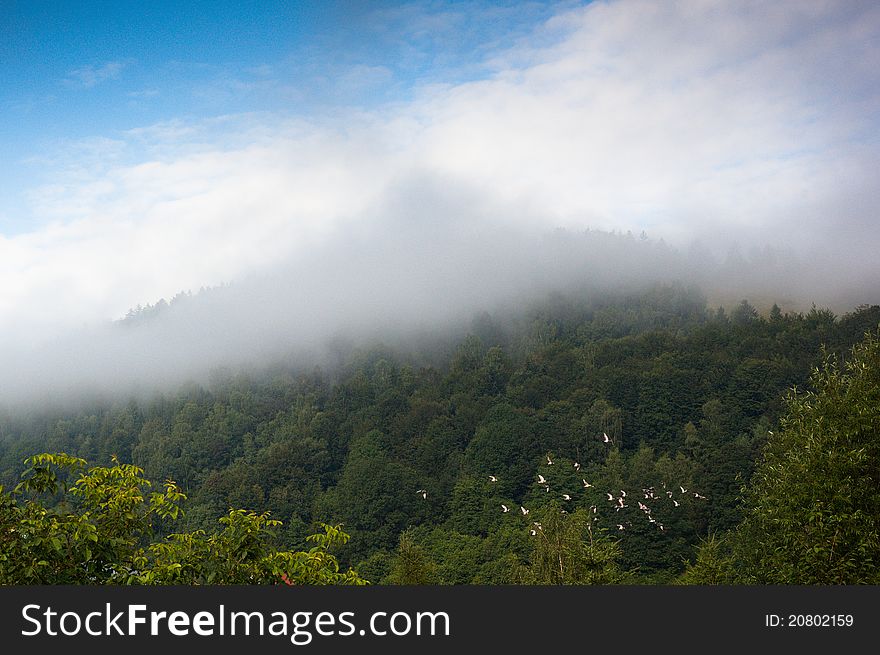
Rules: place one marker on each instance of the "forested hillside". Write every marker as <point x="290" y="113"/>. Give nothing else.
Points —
<point x="628" y="422"/>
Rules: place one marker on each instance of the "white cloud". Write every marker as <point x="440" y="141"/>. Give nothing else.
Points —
<point x="686" y="117"/>
<point x="143" y="94"/>
<point x="87" y="77"/>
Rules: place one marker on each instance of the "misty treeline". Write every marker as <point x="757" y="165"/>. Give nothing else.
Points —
<point x="430" y="459"/>
<point x="409" y="285"/>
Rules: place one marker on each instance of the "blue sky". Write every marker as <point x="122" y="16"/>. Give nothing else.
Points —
<point x="150" y="148"/>
<point x="82" y="70"/>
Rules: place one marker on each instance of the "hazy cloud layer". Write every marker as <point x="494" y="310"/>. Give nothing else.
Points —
<point x="739" y="122"/>
<point x="87" y="77"/>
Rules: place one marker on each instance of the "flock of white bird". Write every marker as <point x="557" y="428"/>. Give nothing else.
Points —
<point x="617" y="502"/>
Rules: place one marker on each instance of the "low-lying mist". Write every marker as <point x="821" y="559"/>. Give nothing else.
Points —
<point x="425" y="273"/>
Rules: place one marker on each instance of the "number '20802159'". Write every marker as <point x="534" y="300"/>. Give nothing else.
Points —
<point x="809" y="621"/>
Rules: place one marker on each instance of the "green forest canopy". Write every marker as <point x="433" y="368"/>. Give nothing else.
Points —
<point x="397" y="449"/>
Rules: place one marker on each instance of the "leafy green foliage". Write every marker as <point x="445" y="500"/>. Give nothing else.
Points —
<point x="568" y="550"/>
<point x="814" y="501"/>
<point x="106" y="536"/>
<point x="412" y="566"/>
<point x="712" y="566"/>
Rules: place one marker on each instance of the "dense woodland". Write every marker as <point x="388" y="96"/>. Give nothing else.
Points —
<point x="628" y="426"/>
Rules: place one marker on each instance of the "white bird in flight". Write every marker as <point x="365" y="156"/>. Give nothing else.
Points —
<point x="549" y="461"/>
<point x="533" y="532"/>
<point x="577" y="466"/>
<point x="610" y="496"/>
<point x="492" y="478"/>
<point x="683" y="490"/>
<point x="606" y="438"/>
<point x="541" y="479"/>
<point x="504" y="508"/>
<point x="620" y="527"/>
<point x="566" y="497"/>
<point x="676" y="503"/>
<point x="523" y="510"/>
<point x="423" y="493"/>
<point x="587" y="485"/>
